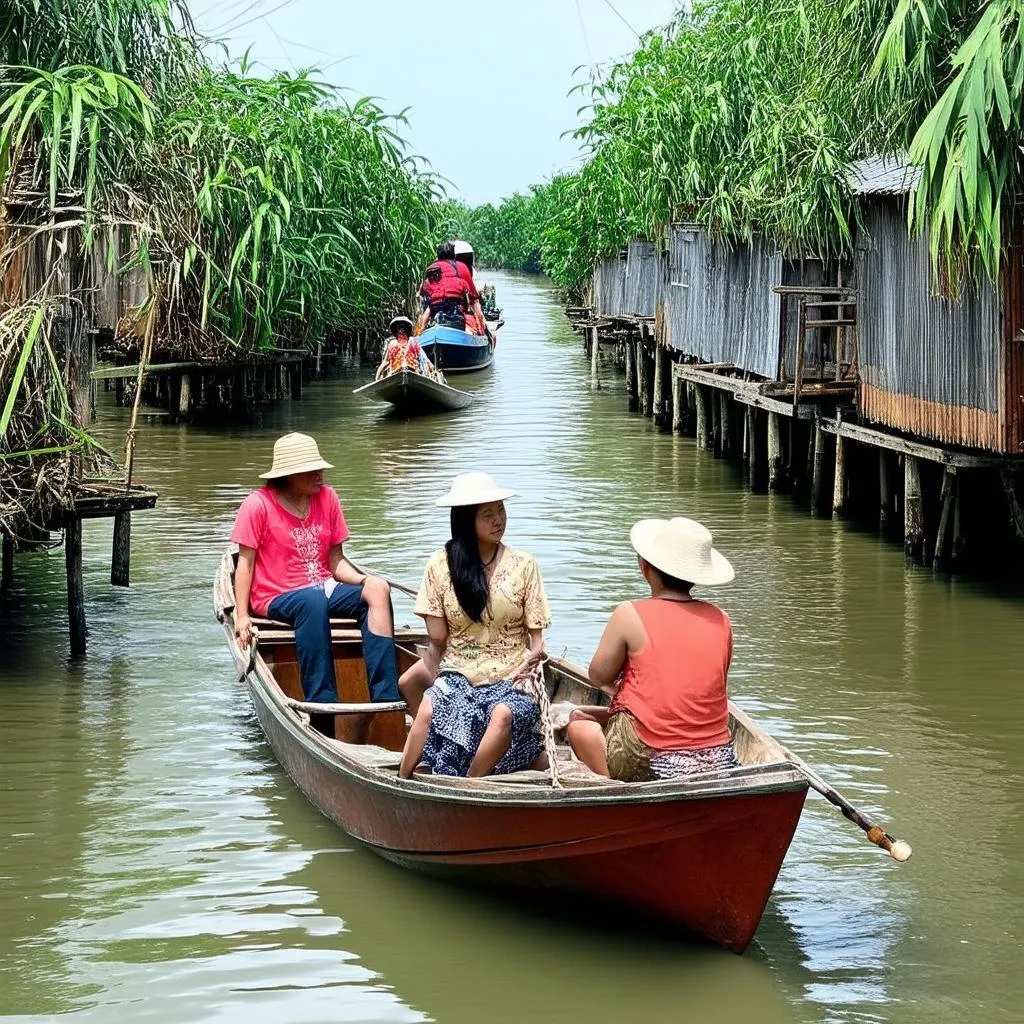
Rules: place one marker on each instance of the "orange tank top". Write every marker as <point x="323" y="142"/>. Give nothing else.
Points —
<point x="674" y="687"/>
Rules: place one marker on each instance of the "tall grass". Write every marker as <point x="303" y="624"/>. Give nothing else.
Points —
<point x="262" y="211"/>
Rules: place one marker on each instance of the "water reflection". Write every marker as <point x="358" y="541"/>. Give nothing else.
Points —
<point x="158" y="865"/>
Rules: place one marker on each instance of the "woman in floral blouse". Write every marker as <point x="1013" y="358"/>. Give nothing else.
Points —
<point x="485" y="611"/>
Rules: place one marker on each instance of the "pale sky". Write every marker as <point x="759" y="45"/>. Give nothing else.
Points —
<point x="488" y="101"/>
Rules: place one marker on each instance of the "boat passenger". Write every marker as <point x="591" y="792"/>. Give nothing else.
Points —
<point x="449" y="289"/>
<point x="292" y="567"/>
<point x="664" y="660"/>
<point x="485" y="612"/>
<point x="404" y="352"/>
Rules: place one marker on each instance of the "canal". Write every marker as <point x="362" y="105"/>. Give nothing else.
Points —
<point x="157" y="865"/>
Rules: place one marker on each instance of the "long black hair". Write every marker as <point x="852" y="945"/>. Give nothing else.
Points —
<point x="469" y="580"/>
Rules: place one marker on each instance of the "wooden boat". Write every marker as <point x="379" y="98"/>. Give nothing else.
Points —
<point x="703" y="853"/>
<point x="413" y="393"/>
<point x="456" y="351"/>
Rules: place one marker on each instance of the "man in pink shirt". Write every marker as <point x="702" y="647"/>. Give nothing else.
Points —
<point x="291" y="567"/>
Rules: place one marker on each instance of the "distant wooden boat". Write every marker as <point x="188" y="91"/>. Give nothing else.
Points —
<point x="704" y="853"/>
<point x="413" y="393"/>
<point x="456" y="351"/>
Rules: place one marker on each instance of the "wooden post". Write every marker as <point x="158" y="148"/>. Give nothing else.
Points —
<point x="758" y="449"/>
<point x="774" y="453"/>
<point x="644" y="365"/>
<point x="715" y="441"/>
<point x="839" y="482"/>
<point x="958" y="538"/>
<point x="884" y="491"/>
<point x="121" y="553"/>
<point x="817" y="467"/>
<point x="296" y="381"/>
<point x="595" y="350"/>
<point x="724" y="425"/>
<point x="657" y="410"/>
<point x="678" y="412"/>
<point x="663" y="391"/>
<point x="76" y="585"/>
<point x="184" y="396"/>
<point x="944" y="539"/>
<point x="7" y="562"/>
<point x="632" y="399"/>
<point x="913" y="510"/>
<point x="704" y="439"/>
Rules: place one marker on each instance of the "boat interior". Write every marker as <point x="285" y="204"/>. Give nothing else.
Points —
<point x="380" y="749"/>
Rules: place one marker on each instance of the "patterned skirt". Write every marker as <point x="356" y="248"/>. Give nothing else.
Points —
<point x="460" y="716"/>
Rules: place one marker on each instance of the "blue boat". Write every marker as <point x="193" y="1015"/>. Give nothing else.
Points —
<point x="454" y="351"/>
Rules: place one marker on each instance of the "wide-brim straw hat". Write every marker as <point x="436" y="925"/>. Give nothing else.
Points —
<point x="295" y="453"/>
<point x="474" y="489"/>
<point x="398" y="321"/>
<point x="681" y="548"/>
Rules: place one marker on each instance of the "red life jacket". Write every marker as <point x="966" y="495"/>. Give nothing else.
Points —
<point x="449" y="288"/>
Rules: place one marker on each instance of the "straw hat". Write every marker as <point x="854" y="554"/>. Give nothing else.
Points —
<point x="682" y="548"/>
<point x="474" y="489"/>
<point x="398" y="321"/>
<point x="295" y="453"/>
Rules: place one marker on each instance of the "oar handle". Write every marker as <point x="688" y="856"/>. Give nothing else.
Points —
<point x="394" y="584"/>
<point x="898" y="849"/>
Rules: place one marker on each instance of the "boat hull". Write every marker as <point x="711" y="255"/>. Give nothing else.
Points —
<point x="412" y="393"/>
<point x="455" y="351"/>
<point x="708" y="863"/>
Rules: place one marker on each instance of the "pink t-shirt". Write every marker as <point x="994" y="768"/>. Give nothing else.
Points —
<point x="290" y="552"/>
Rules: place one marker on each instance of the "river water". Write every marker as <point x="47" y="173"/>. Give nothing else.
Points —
<point x="157" y="865"/>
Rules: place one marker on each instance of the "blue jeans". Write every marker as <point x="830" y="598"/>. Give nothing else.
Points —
<point x="308" y="610"/>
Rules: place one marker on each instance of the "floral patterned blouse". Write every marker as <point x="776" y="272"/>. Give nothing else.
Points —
<point x="487" y="651"/>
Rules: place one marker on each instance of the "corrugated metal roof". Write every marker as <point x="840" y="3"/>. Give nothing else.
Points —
<point x="882" y="175"/>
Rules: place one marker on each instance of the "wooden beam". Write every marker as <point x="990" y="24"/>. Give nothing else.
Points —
<point x="747" y="392"/>
<point x="725" y="446"/>
<point x="700" y="401"/>
<point x="184" y="396"/>
<point x="76" y="585"/>
<point x="312" y="708"/>
<point x="918" y="449"/>
<point x="632" y="386"/>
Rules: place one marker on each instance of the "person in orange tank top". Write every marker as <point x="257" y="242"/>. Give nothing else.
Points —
<point x="665" y="661"/>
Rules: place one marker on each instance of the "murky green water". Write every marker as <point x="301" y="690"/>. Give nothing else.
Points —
<point x="157" y="865"/>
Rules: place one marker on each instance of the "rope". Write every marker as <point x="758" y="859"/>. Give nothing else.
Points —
<point x="532" y="684"/>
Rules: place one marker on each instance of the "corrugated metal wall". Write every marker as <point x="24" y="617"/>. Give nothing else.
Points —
<point x="929" y="366"/>
<point x="718" y="301"/>
<point x="643" y="276"/>
<point x="609" y="287"/>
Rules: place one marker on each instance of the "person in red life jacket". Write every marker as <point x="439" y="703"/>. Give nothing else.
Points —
<point x="448" y="287"/>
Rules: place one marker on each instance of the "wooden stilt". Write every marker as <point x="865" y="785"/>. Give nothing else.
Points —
<point x="839" y="481"/>
<point x="295" y="382"/>
<point x="884" y="491"/>
<point x="7" y="564"/>
<point x="913" y="510"/>
<point x="76" y="585"/>
<point x="774" y="453"/>
<point x="725" y="448"/>
<point x="184" y="396"/>
<point x="644" y="364"/>
<point x="758" y="449"/>
<point x="595" y="351"/>
<point x="944" y="538"/>
<point x="632" y="396"/>
<point x="678" y="409"/>
<point x="657" y="410"/>
<point x="958" y="537"/>
<point x="817" y="468"/>
<point x="715" y="441"/>
<point x="663" y="387"/>
<point x="704" y="438"/>
<point x="121" y="552"/>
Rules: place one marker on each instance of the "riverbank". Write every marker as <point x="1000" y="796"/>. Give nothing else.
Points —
<point x="159" y="864"/>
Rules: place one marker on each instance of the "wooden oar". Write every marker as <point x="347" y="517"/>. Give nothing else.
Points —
<point x="394" y="584"/>
<point x="896" y="848"/>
